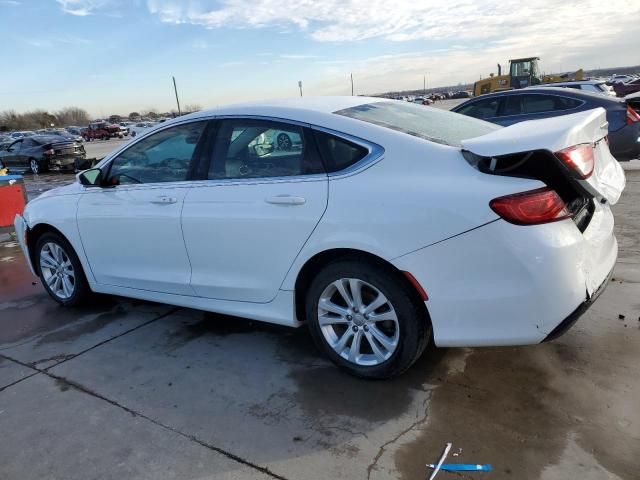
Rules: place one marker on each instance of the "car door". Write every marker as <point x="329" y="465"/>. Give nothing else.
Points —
<point x="261" y="200"/>
<point x="130" y="227"/>
<point x="11" y="157"/>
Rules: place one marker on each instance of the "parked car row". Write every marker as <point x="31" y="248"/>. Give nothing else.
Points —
<point x="513" y="106"/>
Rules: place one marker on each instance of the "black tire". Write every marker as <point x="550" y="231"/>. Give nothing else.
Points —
<point x="81" y="290"/>
<point x="413" y="321"/>
<point x="284" y="142"/>
<point x="37" y="166"/>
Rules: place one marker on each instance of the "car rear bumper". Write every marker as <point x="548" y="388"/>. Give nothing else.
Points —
<point x="568" y="322"/>
<point x="503" y="284"/>
<point x="66" y="162"/>
<point x="625" y="143"/>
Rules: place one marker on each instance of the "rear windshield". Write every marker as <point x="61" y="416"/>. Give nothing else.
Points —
<point x="436" y="125"/>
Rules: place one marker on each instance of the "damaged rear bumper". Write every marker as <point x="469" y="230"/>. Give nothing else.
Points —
<point x="568" y="322"/>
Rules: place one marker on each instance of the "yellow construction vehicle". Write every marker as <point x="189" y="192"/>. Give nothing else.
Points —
<point x="523" y="72"/>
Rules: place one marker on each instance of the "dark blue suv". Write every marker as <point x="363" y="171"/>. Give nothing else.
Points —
<point x="514" y="106"/>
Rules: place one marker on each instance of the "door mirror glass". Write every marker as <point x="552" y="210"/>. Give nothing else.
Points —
<point x="91" y="178"/>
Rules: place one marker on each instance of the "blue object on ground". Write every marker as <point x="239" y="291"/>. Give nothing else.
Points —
<point x="463" y="467"/>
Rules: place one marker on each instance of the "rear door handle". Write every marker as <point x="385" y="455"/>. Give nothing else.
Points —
<point x="285" y="200"/>
<point x="164" y="199"/>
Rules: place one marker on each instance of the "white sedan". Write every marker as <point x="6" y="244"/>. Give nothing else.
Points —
<point x="390" y="224"/>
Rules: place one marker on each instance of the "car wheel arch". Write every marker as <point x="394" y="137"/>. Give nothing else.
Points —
<point x="317" y="262"/>
<point x="35" y="233"/>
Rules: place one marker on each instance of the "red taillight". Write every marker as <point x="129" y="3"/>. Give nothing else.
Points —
<point x="51" y="151"/>
<point x="579" y="158"/>
<point x="632" y="116"/>
<point x="543" y="205"/>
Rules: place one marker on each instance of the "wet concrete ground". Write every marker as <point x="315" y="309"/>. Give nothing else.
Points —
<point x="129" y="389"/>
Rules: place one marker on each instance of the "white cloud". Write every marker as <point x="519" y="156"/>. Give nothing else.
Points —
<point x="82" y="8"/>
<point x="567" y="35"/>
<point x="350" y="20"/>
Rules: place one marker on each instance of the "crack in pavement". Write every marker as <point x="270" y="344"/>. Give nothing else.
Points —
<point x="114" y="403"/>
<point x="192" y="438"/>
<point x="373" y="465"/>
<point x="33" y="365"/>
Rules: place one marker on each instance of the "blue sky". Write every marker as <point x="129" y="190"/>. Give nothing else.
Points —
<point x="118" y="56"/>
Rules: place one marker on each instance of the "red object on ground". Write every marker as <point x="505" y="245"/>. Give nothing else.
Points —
<point x="13" y="198"/>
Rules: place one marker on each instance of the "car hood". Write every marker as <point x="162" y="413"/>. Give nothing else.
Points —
<point x="70" y="189"/>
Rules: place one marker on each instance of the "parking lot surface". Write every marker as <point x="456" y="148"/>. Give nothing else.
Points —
<point x="131" y="389"/>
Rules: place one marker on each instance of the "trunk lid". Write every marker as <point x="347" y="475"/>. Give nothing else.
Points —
<point x="558" y="133"/>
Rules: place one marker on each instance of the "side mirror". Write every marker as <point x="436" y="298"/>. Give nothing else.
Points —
<point x="91" y="177"/>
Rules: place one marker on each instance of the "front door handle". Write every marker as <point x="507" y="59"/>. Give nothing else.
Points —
<point x="286" y="200"/>
<point x="164" y="199"/>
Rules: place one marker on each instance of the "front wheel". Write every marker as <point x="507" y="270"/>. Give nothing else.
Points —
<point x="60" y="270"/>
<point x="366" y="319"/>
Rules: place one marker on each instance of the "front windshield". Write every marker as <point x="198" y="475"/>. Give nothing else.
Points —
<point x="433" y="124"/>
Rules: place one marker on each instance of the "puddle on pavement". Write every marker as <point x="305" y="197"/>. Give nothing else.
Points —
<point x="330" y="391"/>
<point x="74" y="331"/>
<point x="26" y="310"/>
<point x="515" y="408"/>
<point x="293" y="344"/>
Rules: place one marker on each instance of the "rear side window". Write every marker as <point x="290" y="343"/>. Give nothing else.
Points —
<point x="487" y="108"/>
<point x="537" y="104"/>
<point x="338" y="153"/>
<point x="432" y="124"/>
<point x="262" y="149"/>
<point x="547" y="103"/>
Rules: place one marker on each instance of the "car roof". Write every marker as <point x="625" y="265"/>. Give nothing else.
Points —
<point x="566" y="92"/>
<point x="303" y="109"/>
<point x="572" y="82"/>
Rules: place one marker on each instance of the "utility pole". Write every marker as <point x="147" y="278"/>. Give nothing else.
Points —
<point x="175" y="89"/>
<point x="352" y="84"/>
<point x="424" y="85"/>
<point x="300" y="86"/>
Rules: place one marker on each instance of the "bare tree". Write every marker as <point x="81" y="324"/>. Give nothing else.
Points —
<point x="72" y="116"/>
<point x="194" y="107"/>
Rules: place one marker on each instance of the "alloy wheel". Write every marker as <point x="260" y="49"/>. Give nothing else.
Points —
<point x="358" y="321"/>
<point x="284" y="142"/>
<point x="57" y="270"/>
<point x="35" y="167"/>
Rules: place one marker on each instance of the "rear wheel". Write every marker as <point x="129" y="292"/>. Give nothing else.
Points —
<point x="366" y="320"/>
<point x="60" y="270"/>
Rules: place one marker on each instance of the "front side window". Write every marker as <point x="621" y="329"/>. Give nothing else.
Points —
<point x="261" y="149"/>
<point x="487" y="108"/>
<point x="162" y="157"/>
